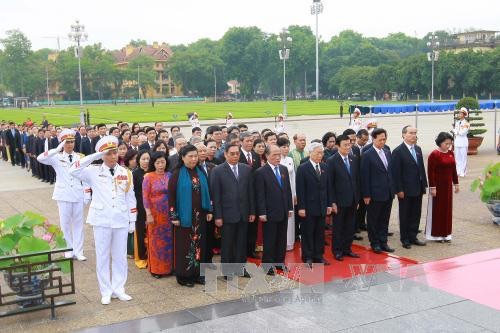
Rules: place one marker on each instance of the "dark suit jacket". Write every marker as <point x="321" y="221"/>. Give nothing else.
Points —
<point x="376" y="180"/>
<point x="409" y="176"/>
<point x="145" y="146"/>
<point x="173" y="160"/>
<point x="94" y="142"/>
<point x="312" y="193"/>
<point x="84" y="146"/>
<point x="13" y="141"/>
<point x="255" y="160"/>
<point x="273" y="200"/>
<point x="54" y="142"/>
<point x="39" y="146"/>
<point x="356" y="151"/>
<point x="343" y="188"/>
<point x="233" y="199"/>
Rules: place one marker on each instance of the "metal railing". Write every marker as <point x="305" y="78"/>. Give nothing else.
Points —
<point x="34" y="281"/>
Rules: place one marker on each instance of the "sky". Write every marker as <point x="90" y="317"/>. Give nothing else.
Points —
<point x="114" y="23"/>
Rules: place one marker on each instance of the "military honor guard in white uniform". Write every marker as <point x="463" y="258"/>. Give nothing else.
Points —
<point x="356" y="124"/>
<point x="112" y="214"/>
<point x="68" y="192"/>
<point x="461" y="144"/>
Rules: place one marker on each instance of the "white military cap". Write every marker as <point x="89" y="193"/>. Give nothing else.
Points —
<point x="108" y="142"/>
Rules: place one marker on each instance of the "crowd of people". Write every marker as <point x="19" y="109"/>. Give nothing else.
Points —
<point x="172" y="202"/>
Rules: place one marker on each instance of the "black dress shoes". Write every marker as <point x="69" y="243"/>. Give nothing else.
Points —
<point x="270" y="272"/>
<point x="407" y="245"/>
<point x="200" y="280"/>
<point x="418" y="242"/>
<point x="309" y="262"/>
<point x="386" y="248"/>
<point x="323" y="261"/>
<point x="389" y="234"/>
<point x="186" y="283"/>
<point x="245" y="274"/>
<point x="377" y="249"/>
<point x="339" y="257"/>
<point x="352" y="255"/>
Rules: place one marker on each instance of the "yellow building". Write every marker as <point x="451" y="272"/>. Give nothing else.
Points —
<point x="480" y="40"/>
<point x="160" y="53"/>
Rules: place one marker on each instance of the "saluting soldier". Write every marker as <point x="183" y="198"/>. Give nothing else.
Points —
<point x="68" y="192"/>
<point x="112" y="214"/>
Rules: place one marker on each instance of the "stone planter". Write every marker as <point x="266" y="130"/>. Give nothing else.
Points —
<point x="474" y="143"/>
<point x="494" y="208"/>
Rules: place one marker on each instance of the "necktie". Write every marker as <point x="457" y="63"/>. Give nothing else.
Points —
<point x="278" y="176"/>
<point x="249" y="159"/>
<point x="318" y="171"/>
<point x="383" y="157"/>
<point x="413" y="153"/>
<point x="346" y="161"/>
<point x="205" y="167"/>
<point x="235" y="171"/>
<point x="70" y="158"/>
<point x="112" y="171"/>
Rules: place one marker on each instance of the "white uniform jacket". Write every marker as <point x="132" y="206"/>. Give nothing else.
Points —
<point x="113" y="200"/>
<point x="67" y="187"/>
<point x="461" y="130"/>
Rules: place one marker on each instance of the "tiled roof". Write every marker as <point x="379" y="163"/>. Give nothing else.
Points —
<point x="160" y="53"/>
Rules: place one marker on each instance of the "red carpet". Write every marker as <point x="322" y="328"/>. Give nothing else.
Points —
<point x="350" y="267"/>
<point x="472" y="276"/>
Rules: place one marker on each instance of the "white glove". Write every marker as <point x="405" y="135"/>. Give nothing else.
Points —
<point x="61" y="145"/>
<point x="131" y="227"/>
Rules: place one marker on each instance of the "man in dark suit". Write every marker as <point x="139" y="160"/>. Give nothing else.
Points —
<point x="312" y="204"/>
<point x="179" y="142"/>
<point x="42" y="145"/>
<point x="101" y="132"/>
<point x="31" y="150"/>
<point x="208" y="228"/>
<point x="377" y="189"/>
<point x="151" y="135"/>
<point x="82" y="141"/>
<point x="410" y="182"/>
<point x="234" y="206"/>
<point x="274" y="206"/>
<point x="249" y="157"/>
<point x="13" y="141"/>
<point x="361" y="140"/>
<point x="343" y="190"/>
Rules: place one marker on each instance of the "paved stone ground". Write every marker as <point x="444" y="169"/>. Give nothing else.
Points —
<point x="473" y="231"/>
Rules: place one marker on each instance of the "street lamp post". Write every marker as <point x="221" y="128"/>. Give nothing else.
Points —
<point x="316" y="9"/>
<point x="78" y="35"/>
<point x="432" y="56"/>
<point x="284" y="52"/>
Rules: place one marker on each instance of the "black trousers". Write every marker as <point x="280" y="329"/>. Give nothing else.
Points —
<point x="233" y="246"/>
<point x="378" y="215"/>
<point x="298" y="220"/>
<point x="361" y="215"/>
<point x="313" y="237"/>
<point x="274" y="234"/>
<point x="14" y="157"/>
<point x="410" y="210"/>
<point x="344" y="226"/>
<point x="208" y="233"/>
<point x="251" y="237"/>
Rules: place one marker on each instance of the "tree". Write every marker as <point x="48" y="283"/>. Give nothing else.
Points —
<point x="16" y="69"/>
<point x="242" y="51"/>
<point x="138" y="42"/>
<point x="195" y="67"/>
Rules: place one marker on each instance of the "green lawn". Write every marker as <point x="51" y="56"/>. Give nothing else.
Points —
<point x="172" y="111"/>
